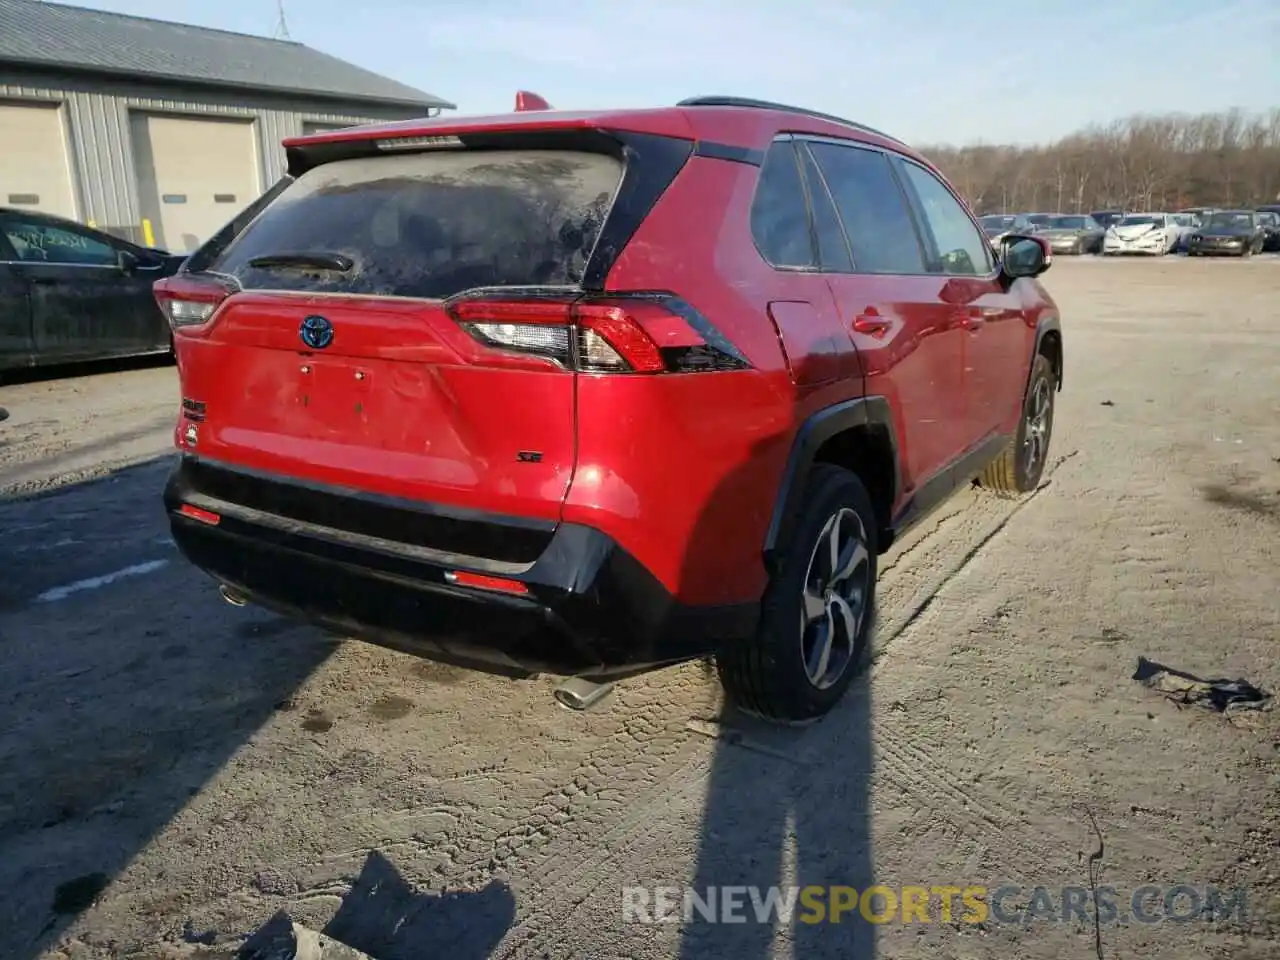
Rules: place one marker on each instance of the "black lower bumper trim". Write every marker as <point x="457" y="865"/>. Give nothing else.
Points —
<point x="591" y="609"/>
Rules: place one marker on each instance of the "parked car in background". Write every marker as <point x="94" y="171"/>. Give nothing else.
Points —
<point x="1199" y="213"/>
<point x="1038" y="220"/>
<point x="1269" y="208"/>
<point x="68" y="292"/>
<point x="1153" y="234"/>
<point x="561" y="373"/>
<point x="999" y="225"/>
<point x="1105" y="218"/>
<point x="1270" y="229"/>
<point x="1234" y="233"/>
<point x="1072" y="233"/>
<point x="1185" y="224"/>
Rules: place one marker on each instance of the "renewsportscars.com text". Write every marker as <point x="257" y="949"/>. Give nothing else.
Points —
<point x="1006" y="903"/>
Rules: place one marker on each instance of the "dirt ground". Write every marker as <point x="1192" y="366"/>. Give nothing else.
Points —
<point x="174" y="770"/>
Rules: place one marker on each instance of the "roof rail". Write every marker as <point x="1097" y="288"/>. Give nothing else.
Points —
<point x="747" y="102"/>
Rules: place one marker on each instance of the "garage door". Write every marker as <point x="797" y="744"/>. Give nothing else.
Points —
<point x="35" y="173"/>
<point x="193" y="175"/>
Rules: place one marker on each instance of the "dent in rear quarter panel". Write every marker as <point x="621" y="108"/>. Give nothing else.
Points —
<point x="422" y="423"/>
<point x="682" y="469"/>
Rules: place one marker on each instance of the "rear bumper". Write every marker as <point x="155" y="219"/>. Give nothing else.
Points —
<point x="588" y="607"/>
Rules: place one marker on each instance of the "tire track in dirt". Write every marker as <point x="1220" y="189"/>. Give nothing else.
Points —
<point x="615" y="786"/>
<point x="910" y="588"/>
<point x="917" y="575"/>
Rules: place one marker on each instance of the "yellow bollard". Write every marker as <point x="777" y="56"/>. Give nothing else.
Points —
<point x="149" y="238"/>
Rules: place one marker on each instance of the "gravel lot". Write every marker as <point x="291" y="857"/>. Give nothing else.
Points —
<point x="174" y="770"/>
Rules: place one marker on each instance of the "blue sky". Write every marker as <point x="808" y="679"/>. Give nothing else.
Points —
<point x="928" y="71"/>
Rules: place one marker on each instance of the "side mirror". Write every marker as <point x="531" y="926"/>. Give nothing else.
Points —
<point x="1024" y="256"/>
<point x="127" y="262"/>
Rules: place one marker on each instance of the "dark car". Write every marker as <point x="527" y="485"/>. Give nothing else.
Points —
<point x="592" y="393"/>
<point x="68" y="292"/>
<point x="998" y="225"/>
<point x="1237" y="233"/>
<point x="1199" y="213"/>
<point x="1105" y="218"/>
<point x="1270" y="229"/>
<point x="1072" y="233"/>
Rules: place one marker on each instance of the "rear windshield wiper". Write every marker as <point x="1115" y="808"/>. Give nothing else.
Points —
<point x="316" y="261"/>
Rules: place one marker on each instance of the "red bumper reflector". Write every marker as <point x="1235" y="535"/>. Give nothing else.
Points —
<point x="204" y="516"/>
<point x="481" y="582"/>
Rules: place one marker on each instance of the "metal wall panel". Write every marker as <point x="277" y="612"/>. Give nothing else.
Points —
<point x="98" y="110"/>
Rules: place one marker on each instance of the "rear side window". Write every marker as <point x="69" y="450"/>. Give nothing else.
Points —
<point x="779" y="217"/>
<point x="962" y="249"/>
<point x="833" y="248"/>
<point x="881" y="233"/>
<point x="433" y="224"/>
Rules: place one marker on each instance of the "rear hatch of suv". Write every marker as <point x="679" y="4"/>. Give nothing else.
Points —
<point x="338" y="359"/>
<point x="405" y="320"/>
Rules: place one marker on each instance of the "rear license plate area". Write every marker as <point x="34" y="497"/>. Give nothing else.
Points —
<point x="333" y="395"/>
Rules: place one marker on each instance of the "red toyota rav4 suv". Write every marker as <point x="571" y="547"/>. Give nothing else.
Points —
<point x="593" y="393"/>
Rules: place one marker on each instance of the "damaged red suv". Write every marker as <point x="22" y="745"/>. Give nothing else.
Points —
<point x="593" y="393"/>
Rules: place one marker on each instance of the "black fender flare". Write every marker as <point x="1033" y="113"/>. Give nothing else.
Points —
<point x="814" y="431"/>
<point x="1047" y="324"/>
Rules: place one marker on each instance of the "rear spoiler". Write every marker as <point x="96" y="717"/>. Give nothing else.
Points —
<point x="533" y="121"/>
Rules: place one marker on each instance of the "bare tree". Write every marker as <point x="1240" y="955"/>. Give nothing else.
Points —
<point x="1141" y="162"/>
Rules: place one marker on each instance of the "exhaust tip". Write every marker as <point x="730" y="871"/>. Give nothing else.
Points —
<point x="579" y="694"/>
<point x="231" y="596"/>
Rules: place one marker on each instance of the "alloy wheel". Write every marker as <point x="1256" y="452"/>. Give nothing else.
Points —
<point x="834" y="603"/>
<point x="1035" y="442"/>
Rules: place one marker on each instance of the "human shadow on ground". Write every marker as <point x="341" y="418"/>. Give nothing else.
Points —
<point x="786" y="807"/>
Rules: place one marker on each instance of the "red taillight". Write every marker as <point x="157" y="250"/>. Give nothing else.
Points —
<point x="188" y="301"/>
<point x="483" y="582"/>
<point x="618" y="334"/>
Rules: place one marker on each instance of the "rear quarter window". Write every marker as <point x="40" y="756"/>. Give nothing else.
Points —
<point x="434" y="224"/>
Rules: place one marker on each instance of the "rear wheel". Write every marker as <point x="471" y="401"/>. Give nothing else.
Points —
<point x="816" y="618"/>
<point x="1018" y="469"/>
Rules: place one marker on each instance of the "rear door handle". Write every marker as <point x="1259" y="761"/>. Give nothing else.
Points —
<point x="44" y="281"/>
<point x="871" y="324"/>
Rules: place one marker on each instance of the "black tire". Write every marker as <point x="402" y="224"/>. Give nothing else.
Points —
<point x="767" y="674"/>
<point x="1014" y="473"/>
